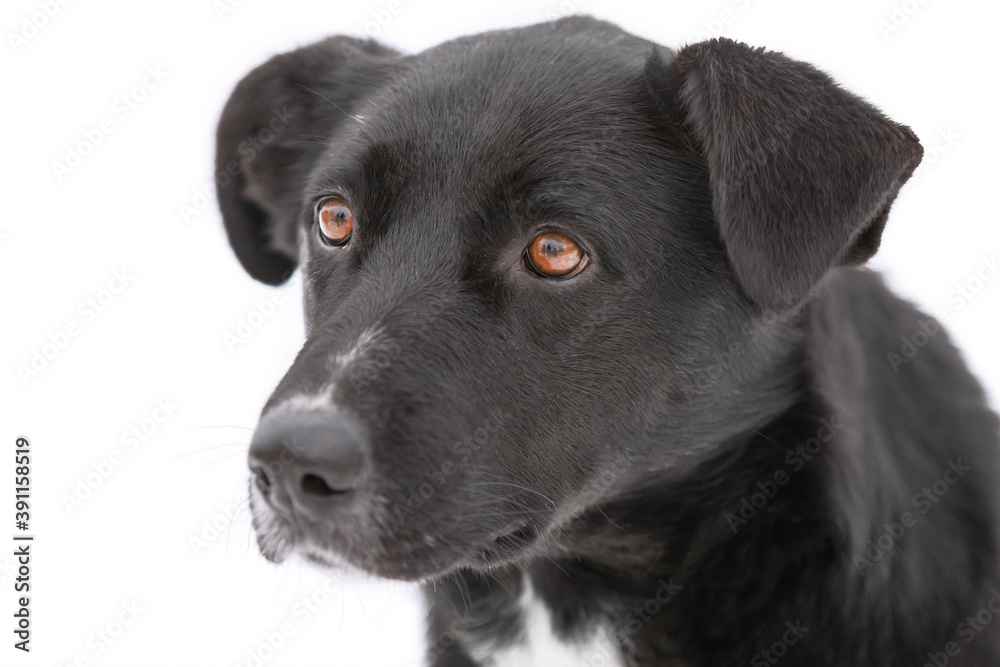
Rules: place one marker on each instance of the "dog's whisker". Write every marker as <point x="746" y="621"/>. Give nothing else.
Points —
<point x="223" y="426"/>
<point x="236" y="447"/>
<point x="521" y="487"/>
<point x="332" y="103"/>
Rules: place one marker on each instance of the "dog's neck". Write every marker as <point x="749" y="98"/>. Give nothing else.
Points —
<point x="618" y="578"/>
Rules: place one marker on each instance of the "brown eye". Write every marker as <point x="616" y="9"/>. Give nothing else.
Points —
<point x="336" y="222"/>
<point x="555" y="255"/>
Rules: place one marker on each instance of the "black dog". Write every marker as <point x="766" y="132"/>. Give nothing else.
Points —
<point x="589" y="352"/>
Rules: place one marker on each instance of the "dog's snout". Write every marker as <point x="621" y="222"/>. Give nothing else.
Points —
<point x="307" y="464"/>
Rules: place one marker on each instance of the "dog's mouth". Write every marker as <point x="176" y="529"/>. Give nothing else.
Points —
<point x="326" y="545"/>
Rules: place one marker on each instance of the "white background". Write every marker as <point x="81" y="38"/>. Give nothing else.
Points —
<point x="162" y="337"/>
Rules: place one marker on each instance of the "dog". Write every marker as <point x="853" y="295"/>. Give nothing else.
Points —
<point x="592" y="355"/>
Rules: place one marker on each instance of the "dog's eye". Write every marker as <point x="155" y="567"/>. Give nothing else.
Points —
<point x="555" y="255"/>
<point x="336" y="222"/>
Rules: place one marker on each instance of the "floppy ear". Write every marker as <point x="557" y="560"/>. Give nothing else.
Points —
<point x="802" y="172"/>
<point x="272" y="131"/>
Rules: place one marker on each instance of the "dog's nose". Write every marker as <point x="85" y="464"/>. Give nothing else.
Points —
<point x="307" y="464"/>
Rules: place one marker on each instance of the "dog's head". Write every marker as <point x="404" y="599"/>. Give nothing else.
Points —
<point x="537" y="264"/>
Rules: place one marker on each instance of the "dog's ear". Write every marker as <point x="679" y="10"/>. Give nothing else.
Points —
<point x="802" y="172"/>
<point x="272" y="130"/>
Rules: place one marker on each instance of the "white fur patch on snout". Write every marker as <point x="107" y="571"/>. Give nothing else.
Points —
<point x="338" y="363"/>
<point x="363" y="343"/>
<point x="539" y="647"/>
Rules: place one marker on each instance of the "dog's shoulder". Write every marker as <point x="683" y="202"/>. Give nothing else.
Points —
<point x="893" y="361"/>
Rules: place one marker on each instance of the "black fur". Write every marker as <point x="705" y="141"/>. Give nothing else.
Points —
<point x="703" y="422"/>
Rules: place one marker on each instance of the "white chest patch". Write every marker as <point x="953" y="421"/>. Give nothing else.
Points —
<point x="539" y="647"/>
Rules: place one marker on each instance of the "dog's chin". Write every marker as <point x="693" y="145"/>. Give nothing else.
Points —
<point x="385" y="556"/>
<point x="512" y="548"/>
